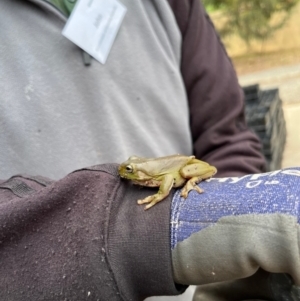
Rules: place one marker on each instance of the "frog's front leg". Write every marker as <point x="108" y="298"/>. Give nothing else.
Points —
<point x="163" y="192"/>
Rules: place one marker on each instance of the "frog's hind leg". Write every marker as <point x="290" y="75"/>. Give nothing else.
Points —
<point x="191" y="172"/>
<point x="163" y="192"/>
<point x="191" y="184"/>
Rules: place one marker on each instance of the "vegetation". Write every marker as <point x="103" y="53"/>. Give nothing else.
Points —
<point x="252" y="19"/>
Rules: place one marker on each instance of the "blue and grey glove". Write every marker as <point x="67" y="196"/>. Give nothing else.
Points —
<point x="240" y="238"/>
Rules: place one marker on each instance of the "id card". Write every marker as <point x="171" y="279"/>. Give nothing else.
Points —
<point x="93" y="26"/>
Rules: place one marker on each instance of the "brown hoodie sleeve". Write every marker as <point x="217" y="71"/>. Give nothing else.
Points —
<point x="216" y="101"/>
<point x="82" y="238"/>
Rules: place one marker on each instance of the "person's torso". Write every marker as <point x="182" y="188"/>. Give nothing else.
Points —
<point x="58" y="115"/>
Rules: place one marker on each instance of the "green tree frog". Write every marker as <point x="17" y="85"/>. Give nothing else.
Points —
<point x="165" y="173"/>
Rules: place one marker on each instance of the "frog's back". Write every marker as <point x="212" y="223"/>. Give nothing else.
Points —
<point x="168" y="164"/>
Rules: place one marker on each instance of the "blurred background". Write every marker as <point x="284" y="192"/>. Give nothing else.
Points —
<point x="263" y="40"/>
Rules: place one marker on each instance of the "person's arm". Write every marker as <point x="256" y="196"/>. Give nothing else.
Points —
<point x="216" y="101"/>
<point x="85" y="238"/>
<point x="82" y="238"/>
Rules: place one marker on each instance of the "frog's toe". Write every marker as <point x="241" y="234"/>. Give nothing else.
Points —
<point x="150" y="205"/>
<point x="151" y="200"/>
<point x="184" y="193"/>
<point x="198" y="189"/>
<point x="146" y="200"/>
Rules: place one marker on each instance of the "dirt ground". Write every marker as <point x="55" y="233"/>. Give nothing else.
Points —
<point x="256" y="62"/>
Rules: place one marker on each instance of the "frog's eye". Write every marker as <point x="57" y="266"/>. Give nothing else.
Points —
<point x="129" y="168"/>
